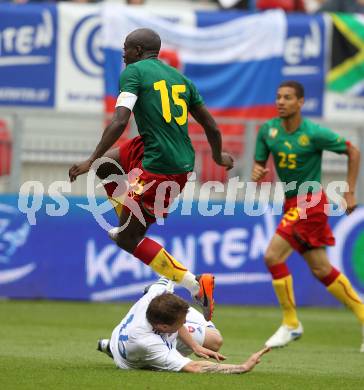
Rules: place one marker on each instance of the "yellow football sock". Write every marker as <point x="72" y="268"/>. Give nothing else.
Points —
<point x="154" y="255"/>
<point x="283" y="288"/>
<point x="342" y="290"/>
<point x="166" y="265"/>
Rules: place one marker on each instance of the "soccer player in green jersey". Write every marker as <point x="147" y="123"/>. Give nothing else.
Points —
<point x="296" y="145"/>
<point x="159" y="160"/>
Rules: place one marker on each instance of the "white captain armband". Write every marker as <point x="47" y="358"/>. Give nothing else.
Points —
<point x="126" y="99"/>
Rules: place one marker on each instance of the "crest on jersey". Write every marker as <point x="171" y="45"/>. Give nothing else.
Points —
<point x="273" y="132"/>
<point x="303" y="140"/>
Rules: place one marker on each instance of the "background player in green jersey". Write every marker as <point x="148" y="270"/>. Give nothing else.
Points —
<point x="160" y="98"/>
<point x="297" y="145"/>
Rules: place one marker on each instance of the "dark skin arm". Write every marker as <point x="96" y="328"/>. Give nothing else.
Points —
<point x="110" y="135"/>
<point x="353" y="154"/>
<point x="205" y="119"/>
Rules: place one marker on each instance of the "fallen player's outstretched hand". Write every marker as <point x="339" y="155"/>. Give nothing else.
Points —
<point x="254" y="359"/>
<point x="208" y="353"/>
<point x="222" y="368"/>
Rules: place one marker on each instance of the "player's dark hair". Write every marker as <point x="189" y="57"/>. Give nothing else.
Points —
<point x="298" y="87"/>
<point x="166" y="309"/>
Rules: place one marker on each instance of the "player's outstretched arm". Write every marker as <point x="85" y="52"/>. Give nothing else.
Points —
<point x="353" y="171"/>
<point x="205" y="119"/>
<point x="110" y="135"/>
<point x="206" y="366"/>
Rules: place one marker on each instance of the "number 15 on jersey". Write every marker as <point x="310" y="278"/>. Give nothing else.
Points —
<point x="161" y="86"/>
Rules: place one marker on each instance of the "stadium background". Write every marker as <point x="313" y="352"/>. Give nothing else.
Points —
<point x="59" y="65"/>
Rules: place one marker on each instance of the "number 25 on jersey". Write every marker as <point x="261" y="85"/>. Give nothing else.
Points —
<point x="287" y="160"/>
<point x="161" y="86"/>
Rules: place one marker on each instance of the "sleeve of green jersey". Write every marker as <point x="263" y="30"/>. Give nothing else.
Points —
<point x="326" y="139"/>
<point x="261" y="148"/>
<point x="195" y="97"/>
<point x="130" y="80"/>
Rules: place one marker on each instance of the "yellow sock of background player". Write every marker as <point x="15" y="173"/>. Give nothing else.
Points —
<point x="340" y="287"/>
<point x="283" y="286"/>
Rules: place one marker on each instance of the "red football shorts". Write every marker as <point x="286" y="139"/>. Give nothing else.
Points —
<point x="153" y="192"/>
<point x="308" y="233"/>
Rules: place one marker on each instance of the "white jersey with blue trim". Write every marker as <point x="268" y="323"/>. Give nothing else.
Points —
<point x="134" y="344"/>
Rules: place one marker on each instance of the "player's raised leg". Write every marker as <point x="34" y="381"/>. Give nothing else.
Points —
<point x="133" y="240"/>
<point x="112" y="168"/>
<point x="336" y="283"/>
<point x="275" y="257"/>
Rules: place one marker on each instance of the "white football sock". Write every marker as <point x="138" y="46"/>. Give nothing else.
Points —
<point x="189" y="281"/>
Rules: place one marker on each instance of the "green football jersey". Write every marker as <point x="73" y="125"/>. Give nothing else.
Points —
<point x="298" y="155"/>
<point x="161" y="113"/>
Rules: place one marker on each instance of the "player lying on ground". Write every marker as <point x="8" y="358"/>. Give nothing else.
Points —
<point x="160" y="330"/>
<point x="297" y="145"/>
<point x="160" y="98"/>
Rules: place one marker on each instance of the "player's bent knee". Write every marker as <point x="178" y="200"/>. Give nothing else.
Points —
<point x="213" y="340"/>
<point x="218" y="341"/>
<point x="102" y="173"/>
<point x="270" y="258"/>
<point x="320" y="273"/>
<point x="106" y="169"/>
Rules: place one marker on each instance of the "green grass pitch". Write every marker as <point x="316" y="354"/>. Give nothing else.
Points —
<point x="52" y="345"/>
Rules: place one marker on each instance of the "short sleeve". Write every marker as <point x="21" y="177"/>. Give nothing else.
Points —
<point x="261" y="148"/>
<point x="326" y="139"/>
<point x="195" y="97"/>
<point x="160" y="356"/>
<point x="130" y="80"/>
